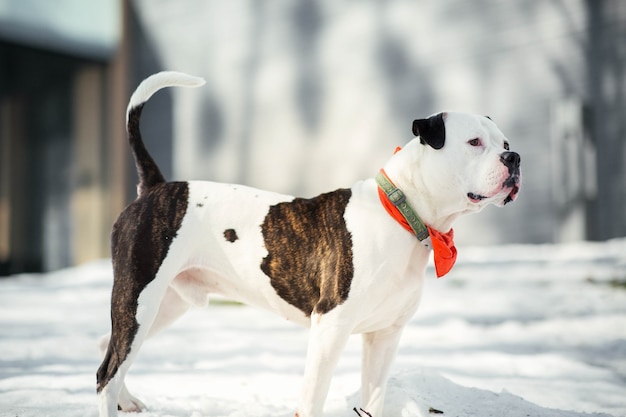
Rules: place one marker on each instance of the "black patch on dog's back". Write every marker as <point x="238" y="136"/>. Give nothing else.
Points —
<point x="309" y="258"/>
<point x="230" y="235"/>
<point x="140" y="241"/>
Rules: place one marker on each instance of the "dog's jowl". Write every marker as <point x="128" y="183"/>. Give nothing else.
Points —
<point x="349" y="261"/>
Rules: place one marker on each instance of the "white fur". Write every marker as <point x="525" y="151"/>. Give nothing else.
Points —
<point x="158" y="81"/>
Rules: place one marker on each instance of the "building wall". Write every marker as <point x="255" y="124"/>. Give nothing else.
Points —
<point x="56" y="187"/>
<point x="53" y="184"/>
<point x="306" y="96"/>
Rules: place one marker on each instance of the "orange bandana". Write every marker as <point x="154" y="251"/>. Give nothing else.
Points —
<point x="444" y="250"/>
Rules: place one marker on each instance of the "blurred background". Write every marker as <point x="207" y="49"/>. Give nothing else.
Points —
<point x="303" y="97"/>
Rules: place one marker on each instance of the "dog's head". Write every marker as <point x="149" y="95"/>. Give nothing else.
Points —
<point x="470" y="153"/>
<point x="458" y="163"/>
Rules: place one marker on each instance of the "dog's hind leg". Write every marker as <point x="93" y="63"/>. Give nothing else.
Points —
<point x="131" y="318"/>
<point x="140" y="288"/>
<point x="125" y="400"/>
<point x="171" y="308"/>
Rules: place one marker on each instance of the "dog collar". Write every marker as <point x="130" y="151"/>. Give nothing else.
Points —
<point x="410" y="220"/>
<point x="394" y="202"/>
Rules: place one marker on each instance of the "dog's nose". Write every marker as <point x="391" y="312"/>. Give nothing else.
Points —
<point x="510" y="159"/>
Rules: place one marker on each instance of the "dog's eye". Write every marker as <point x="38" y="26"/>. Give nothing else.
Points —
<point x="475" y="142"/>
<point x="506" y="146"/>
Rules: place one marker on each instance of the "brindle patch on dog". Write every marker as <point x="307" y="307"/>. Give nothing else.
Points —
<point x="309" y="258"/>
<point x="140" y="240"/>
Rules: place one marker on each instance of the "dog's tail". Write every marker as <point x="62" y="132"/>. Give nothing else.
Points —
<point x="147" y="170"/>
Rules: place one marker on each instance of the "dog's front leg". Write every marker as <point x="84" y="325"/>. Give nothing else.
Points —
<point x="327" y="339"/>
<point x="379" y="350"/>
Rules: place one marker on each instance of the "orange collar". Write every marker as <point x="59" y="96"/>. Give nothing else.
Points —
<point x="441" y="243"/>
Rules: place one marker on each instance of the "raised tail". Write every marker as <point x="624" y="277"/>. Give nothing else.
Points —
<point x="147" y="170"/>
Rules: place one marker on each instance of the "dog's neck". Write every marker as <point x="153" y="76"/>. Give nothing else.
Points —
<point x="396" y="204"/>
<point x="438" y="210"/>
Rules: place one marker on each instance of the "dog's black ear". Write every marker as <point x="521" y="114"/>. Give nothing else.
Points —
<point x="432" y="131"/>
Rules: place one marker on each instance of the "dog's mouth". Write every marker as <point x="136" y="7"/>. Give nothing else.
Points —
<point x="476" y="198"/>
<point x="512" y="184"/>
<point x="512" y="196"/>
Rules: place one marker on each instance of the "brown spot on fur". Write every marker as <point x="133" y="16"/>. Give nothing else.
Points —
<point x="230" y="235"/>
<point x="309" y="259"/>
<point x="140" y="240"/>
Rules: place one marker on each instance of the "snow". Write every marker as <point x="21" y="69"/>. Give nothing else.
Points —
<point x="513" y="330"/>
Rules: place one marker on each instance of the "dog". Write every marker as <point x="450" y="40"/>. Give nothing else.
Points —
<point x="348" y="261"/>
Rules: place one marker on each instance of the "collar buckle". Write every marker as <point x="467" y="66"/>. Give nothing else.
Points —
<point x="396" y="197"/>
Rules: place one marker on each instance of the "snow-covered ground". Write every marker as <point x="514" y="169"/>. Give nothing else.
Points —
<point x="513" y="331"/>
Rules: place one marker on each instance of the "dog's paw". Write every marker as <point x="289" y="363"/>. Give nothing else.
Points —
<point x="129" y="403"/>
<point x="131" y="406"/>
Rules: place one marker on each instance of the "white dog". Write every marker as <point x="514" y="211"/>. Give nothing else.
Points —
<point x="348" y="261"/>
